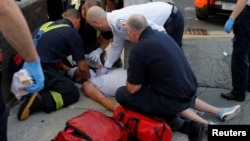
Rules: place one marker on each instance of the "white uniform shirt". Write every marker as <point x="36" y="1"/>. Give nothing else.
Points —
<point x="110" y="82"/>
<point x="248" y="2"/>
<point x="156" y="13"/>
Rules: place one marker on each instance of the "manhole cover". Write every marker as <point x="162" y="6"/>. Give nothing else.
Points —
<point x="195" y="31"/>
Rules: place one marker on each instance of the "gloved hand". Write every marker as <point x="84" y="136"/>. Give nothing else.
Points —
<point x="35" y="69"/>
<point x="95" y="55"/>
<point x="228" y="25"/>
<point x="92" y="63"/>
<point x="102" y="71"/>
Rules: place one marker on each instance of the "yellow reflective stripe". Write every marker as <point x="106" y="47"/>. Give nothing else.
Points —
<point x="97" y="33"/>
<point x="54" y="26"/>
<point x="57" y="98"/>
<point x="46" y="27"/>
<point x="77" y="5"/>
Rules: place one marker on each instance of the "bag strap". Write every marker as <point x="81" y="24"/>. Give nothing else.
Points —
<point x="46" y="28"/>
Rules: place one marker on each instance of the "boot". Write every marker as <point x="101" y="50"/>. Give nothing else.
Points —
<point x="30" y="105"/>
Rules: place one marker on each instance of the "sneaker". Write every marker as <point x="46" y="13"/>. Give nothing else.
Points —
<point x="197" y="131"/>
<point x="226" y="114"/>
<point x="230" y="96"/>
<point x="212" y="123"/>
<point x="31" y="104"/>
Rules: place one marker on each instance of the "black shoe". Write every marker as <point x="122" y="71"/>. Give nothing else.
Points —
<point x="197" y="131"/>
<point x="230" y="96"/>
<point x="117" y="64"/>
<point x="31" y="104"/>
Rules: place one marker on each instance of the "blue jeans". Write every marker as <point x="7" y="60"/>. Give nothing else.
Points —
<point x="241" y="54"/>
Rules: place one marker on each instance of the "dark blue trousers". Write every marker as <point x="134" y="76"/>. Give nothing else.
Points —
<point x="56" y="80"/>
<point x="174" y="26"/>
<point x="149" y="103"/>
<point x="241" y="54"/>
<point x="4" y="113"/>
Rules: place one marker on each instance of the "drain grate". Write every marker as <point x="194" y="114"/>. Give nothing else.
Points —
<point x="195" y="31"/>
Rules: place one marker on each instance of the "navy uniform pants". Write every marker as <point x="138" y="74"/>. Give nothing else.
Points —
<point x="4" y="113"/>
<point x="57" y="81"/>
<point x="149" y="103"/>
<point x="241" y="54"/>
<point x="174" y="26"/>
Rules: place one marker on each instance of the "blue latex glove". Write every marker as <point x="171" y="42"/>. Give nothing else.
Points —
<point x="95" y="55"/>
<point x="35" y="69"/>
<point x="228" y="25"/>
<point x="102" y="71"/>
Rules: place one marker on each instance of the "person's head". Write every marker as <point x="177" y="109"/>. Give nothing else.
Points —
<point x="74" y="16"/>
<point x="134" y="25"/>
<point x="87" y="4"/>
<point x="97" y="17"/>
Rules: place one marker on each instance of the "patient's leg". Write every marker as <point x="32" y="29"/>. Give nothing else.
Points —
<point x="190" y="114"/>
<point x="205" y="107"/>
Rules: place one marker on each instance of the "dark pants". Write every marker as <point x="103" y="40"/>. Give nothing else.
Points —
<point x="56" y="80"/>
<point x="241" y="54"/>
<point x="174" y="26"/>
<point x="153" y="104"/>
<point x="4" y="113"/>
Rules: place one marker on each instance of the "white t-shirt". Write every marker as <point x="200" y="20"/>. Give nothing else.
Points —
<point x="110" y="82"/>
<point x="155" y="12"/>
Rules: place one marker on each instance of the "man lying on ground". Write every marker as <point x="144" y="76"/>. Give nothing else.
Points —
<point x="99" y="88"/>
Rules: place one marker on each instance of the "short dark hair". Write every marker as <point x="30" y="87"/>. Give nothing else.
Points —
<point x="71" y="13"/>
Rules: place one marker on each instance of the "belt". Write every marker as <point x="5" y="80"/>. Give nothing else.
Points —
<point x="172" y="15"/>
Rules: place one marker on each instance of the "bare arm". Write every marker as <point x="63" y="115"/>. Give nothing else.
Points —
<point x="238" y="8"/>
<point x="104" y="42"/>
<point x="83" y="70"/>
<point x="132" y="89"/>
<point x="15" y="29"/>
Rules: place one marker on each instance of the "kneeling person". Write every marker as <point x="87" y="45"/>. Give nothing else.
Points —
<point x="53" y="46"/>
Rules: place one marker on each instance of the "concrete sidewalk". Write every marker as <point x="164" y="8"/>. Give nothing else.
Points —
<point x="43" y="127"/>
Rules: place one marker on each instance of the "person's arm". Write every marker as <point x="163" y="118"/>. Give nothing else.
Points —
<point x="115" y="51"/>
<point x="15" y="29"/>
<point x="104" y="42"/>
<point x="237" y="10"/>
<point x="83" y="71"/>
<point x="95" y="55"/>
